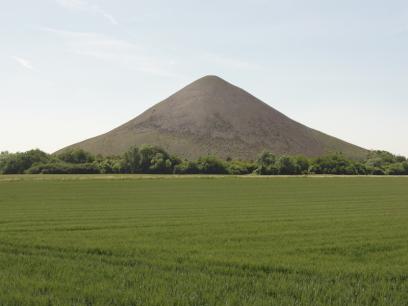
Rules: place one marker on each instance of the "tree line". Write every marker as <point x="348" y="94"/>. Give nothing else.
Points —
<point x="155" y="160"/>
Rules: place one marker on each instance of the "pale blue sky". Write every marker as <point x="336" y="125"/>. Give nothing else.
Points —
<point x="72" y="69"/>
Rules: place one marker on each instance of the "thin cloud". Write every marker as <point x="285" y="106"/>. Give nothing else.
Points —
<point x="120" y="52"/>
<point x="107" y="16"/>
<point x="25" y="63"/>
<point x="88" y="7"/>
<point x="130" y="55"/>
<point x="72" y="4"/>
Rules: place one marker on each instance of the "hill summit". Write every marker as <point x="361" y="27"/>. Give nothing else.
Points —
<point x="212" y="116"/>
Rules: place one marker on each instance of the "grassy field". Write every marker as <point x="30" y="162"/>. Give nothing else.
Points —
<point x="84" y="240"/>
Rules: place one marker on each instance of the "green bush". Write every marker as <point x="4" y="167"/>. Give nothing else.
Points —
<point x="186" y="167"/>
<point x="151" y="159"/>
<point x="212" y="165"/>
<point x="131" y="161"/>
<point x="266" y="164"/>
<point x="336" y="164"/>
<point x="148" y="159"/>
<point x="398" y="169"/>
<point x="287" y="165"/>
<point x="269" y="164"/>
<point x="63" y="168"/>
<point x="76" y="156"/>
<point x="237" y="167"/>
<point x="303" y="164"/>
<point x="17" y="163"/>
<point x="110" y="165"/>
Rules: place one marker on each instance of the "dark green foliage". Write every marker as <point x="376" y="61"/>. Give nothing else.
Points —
<point x="110" y="165"/>
<point x="287" y="165"/>
<point x="212" y="165"/>
<point x="375" y="171"/>
<point x="267" y="164"/>
<point x="377" y="163"/>
<point x="131" y="160"/>
<point x="76" y="156"/>
<point x="148" y="159"/>
<point x="35" y="156"/>
<point x="382" y="162"/>
<point x="64" y="168"/>
<point x="186" y="167"/>
<point x="11" y="163"/>
<point x="238" y="167"/>
<point x="19" y="162"/>
<point x="303" y="164"/>
<point x="400" y="159"/>
<point x="398" y="169"/>
<point x="383" y="157"/>
<point x="155" y="160"/>
<point x="337" y="164"/>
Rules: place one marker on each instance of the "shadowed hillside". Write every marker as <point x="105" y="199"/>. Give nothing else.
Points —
<point x="212" y="116"/>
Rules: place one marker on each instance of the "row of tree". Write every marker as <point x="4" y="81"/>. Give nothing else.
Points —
<point x="150" y="159"/>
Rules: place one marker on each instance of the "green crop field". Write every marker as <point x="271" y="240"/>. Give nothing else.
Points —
<point x="132" y="240"/>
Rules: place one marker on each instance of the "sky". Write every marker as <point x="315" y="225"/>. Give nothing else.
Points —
<point x="73" y="69"/>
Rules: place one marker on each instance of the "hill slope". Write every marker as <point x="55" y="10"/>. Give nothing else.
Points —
<point x="212" y="116"/>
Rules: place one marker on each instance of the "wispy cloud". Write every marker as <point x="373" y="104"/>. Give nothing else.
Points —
<point x="122" y="53"/>
<point x="25" y="63"/>
<point x="130" y="55"/>
<point x="89" y="7"/>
